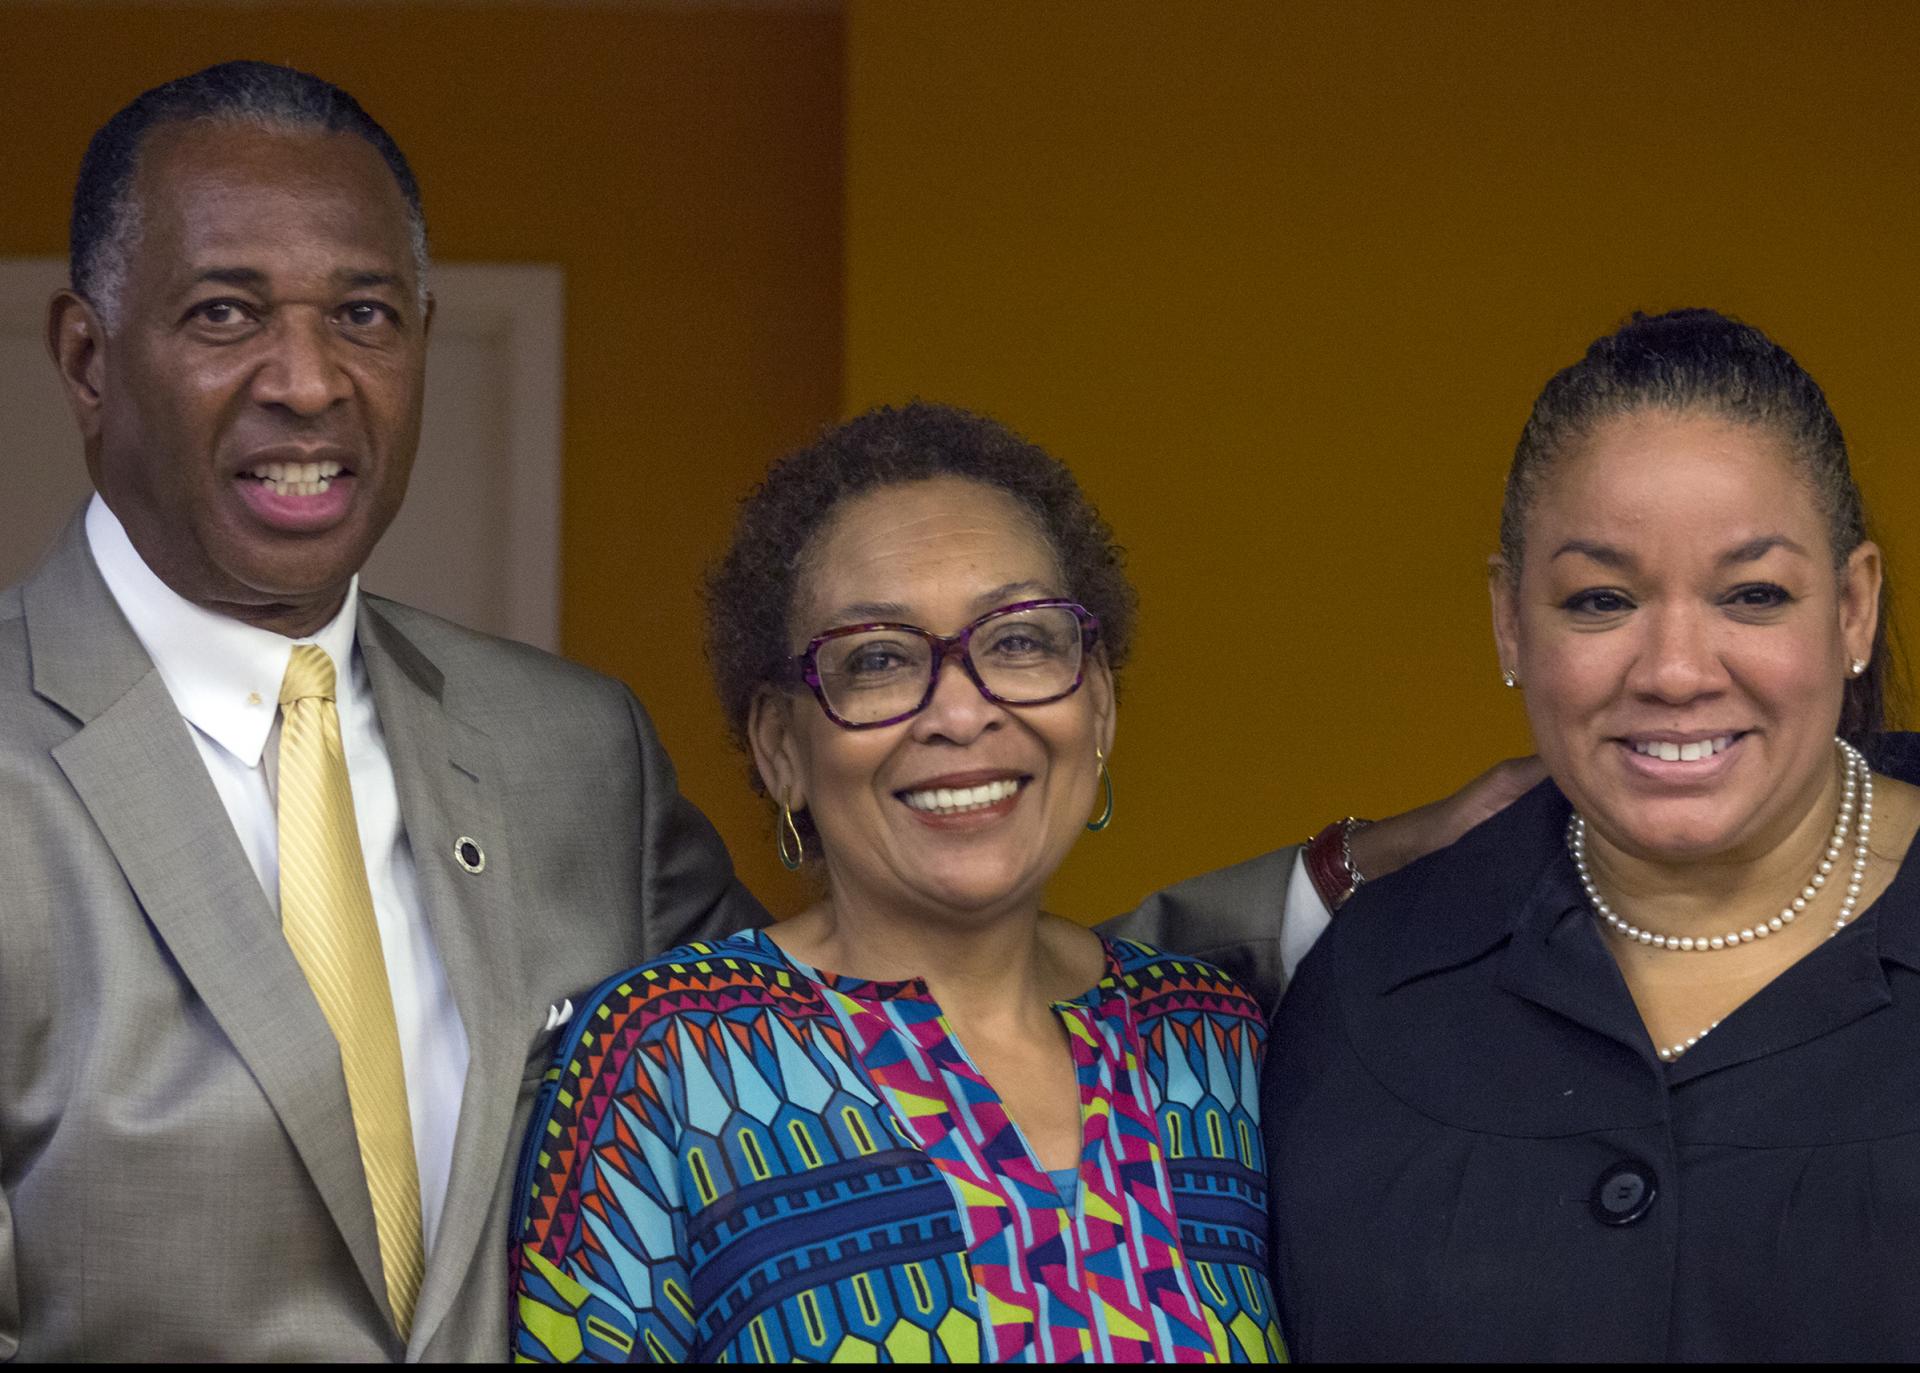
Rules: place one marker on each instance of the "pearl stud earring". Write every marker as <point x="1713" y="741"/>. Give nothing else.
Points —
<point x="1510" y="677"/>
<point x="1858" y="666"/>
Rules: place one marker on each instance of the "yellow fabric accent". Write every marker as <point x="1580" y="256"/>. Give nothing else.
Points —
<point x="1251" y="1337"/>
<point x="908" y="1343"/>
<point x="1121" y="1326"/>
<point x="1222" y="1346"/>
<point x="917" y="1106"/>
<point x="677" y="1295"/>
<point x="975" y="1195"/>
<point x="557" y="1331"/>
<point x="1205" y="1271"/>
<point x="326" y="912"/>
<point x="1001" y="1312"/>
<point x="959" y="1334"/>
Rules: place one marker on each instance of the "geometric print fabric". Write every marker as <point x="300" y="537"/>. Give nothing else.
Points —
<point x="737" y="1158"/>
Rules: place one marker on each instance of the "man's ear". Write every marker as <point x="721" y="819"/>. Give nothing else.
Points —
<point x="1506" y="614"/>
<point x="77" y="340"/>
<point x="776" y="751"/>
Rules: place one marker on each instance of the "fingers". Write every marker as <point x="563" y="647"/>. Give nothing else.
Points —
<point x="1492" y="792"/>
<point x="1515" y="777"/>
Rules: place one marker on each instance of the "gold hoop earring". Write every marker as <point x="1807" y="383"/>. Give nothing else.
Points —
<point x="791" y="861"/>
<point x="1106" y="779"/>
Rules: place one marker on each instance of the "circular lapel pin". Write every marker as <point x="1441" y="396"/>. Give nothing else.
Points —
<point x="469" y="854"/>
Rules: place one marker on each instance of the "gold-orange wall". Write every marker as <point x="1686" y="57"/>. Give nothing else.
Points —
<point x="1280" y="282"/>
<point x="681" y="162"/>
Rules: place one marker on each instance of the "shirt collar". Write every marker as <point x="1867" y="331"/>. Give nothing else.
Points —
<point x="1897" y="913"/>
<point x="1453" y="907"/>
<point x="1514" y="874"/>
<point x="224" y="676"/>
<point x="1898" y="755"/>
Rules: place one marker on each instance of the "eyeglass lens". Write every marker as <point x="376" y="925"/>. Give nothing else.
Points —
<point x="1022" y="656"/>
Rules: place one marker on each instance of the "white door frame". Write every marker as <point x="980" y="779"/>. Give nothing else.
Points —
<point x="523" y="306"/>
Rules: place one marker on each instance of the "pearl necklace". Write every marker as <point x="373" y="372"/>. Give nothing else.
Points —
<point x="1858" y="783"/>
<point x="1670" y="1052"/>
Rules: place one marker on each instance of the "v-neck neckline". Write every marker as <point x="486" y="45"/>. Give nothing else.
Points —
<point x="876" y="992"/>
<point x="916" y="989"/>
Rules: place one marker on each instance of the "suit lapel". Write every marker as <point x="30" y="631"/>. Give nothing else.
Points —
<point x="448" y="776"/>
<point x="135" y="767"/>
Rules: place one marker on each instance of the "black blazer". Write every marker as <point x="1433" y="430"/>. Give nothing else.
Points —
<point x="1476" y="1153"/>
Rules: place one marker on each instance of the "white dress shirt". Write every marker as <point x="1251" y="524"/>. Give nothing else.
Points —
<point x="225" y="678"/>
<point x="1306" y="916"/>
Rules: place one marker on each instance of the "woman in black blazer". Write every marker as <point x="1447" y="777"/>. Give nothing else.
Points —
<point x="1633" y="1070"/>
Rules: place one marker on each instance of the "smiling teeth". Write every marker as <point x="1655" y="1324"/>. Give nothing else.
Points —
<point x="954" y="800"/>
<point x="1685" y="753"/>
<point x="296" y="478"/>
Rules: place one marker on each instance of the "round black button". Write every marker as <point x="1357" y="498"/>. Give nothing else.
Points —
<point x="1624" y="1193"/>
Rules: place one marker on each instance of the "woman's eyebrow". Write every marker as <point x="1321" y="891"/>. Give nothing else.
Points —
<point x="1755" y="549"/>
<point x="863" y="612"/>
<point x="1750" y="551"/>
<point x="1604" y="554"/>
<point x="1002" y="595"/>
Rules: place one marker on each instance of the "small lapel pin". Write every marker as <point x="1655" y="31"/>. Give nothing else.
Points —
<point x="469" y="854"/>
<point x="559" y="1015"/>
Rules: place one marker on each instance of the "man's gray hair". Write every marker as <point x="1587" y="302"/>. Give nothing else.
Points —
<point x="106" y="226"/>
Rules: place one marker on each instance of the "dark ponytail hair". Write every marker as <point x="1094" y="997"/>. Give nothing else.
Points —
<point x="1704" y="361"/>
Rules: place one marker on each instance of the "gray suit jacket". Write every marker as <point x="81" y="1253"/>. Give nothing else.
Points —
<point x="178" y="1172"/>
<point x="1230" y="918"/>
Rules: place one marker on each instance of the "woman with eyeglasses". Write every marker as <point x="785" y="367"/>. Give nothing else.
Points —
<point x="922" y="1120"/>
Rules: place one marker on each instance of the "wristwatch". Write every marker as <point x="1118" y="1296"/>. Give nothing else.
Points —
<point x="1329" y="860"/>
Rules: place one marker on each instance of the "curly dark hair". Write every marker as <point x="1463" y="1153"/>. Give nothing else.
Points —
<point x="751" y="592"/>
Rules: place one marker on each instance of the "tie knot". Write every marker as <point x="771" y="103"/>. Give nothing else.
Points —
<point x="309" y="674"/>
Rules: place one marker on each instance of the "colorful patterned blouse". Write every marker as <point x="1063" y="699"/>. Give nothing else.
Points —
<point x="738" y="1158"/>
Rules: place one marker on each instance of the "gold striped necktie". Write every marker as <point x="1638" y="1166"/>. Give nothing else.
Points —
<point x="326" y="910"/>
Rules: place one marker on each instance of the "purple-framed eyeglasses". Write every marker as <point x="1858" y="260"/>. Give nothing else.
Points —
<point x="1024" y="654"/>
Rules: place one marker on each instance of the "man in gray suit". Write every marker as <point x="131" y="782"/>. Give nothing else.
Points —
<point x="182" y="1173"/>
<point x="185" y="1145"/>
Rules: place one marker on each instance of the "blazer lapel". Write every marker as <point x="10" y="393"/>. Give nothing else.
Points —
<point x="134" y="765"/>
<point x="448" y="777"/>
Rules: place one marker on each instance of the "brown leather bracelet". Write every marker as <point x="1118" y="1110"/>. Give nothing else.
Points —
<point x="1329" y="860"/>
